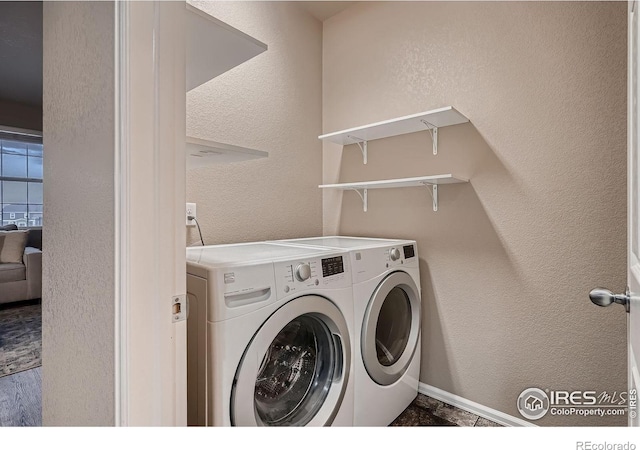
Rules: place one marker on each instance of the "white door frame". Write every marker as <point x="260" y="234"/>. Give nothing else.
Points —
<point x="150" y="171"/>
<point x="633" y="222"/>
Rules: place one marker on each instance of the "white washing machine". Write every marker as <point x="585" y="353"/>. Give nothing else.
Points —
<point x="269" y="336"/>
<point x="387" y="313"/>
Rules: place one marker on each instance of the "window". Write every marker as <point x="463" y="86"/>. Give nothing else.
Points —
<point x="21" y="183"/>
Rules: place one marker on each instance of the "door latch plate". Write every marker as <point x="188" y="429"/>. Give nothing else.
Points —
<point x="179" y="308"/>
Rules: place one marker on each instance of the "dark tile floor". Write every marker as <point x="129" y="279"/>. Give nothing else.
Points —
<point x="20" y="406"/>
<point x="428" y="412"/>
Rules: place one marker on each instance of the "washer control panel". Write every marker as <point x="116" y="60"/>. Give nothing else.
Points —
<point x="331" y="271"/>
<point x="299" y="271"/>
<point x="332" y="266"/>
<point x="303" y="271"/>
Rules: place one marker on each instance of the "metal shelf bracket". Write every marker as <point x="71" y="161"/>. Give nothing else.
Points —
<point x="364" y="197"/>
<point x="435" y="141"/>
<point x="435" y="197"/>
<point x="434" y="134"/>
<point x="363" y="146"/>
<point x="433" y="190"/>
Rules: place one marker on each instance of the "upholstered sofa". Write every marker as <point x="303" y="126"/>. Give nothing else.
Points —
<point x="23" y="281"/>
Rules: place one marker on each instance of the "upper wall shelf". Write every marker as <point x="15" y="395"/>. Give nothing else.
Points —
<point x="213" y="47"/>
<point x="429" y="120"/>
<point x="428" y="181"/>
<point x="201" y="153"/>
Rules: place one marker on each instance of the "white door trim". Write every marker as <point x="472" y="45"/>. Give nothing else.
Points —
<point x="149" y="175"/>
<point x="121" y="174"/>
<point x="633" y="263"/>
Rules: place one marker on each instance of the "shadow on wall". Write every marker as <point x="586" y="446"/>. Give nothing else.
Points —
<point x="468" y="280"/>
<point x="468" y="274"/>
<point x="331" y="198"/>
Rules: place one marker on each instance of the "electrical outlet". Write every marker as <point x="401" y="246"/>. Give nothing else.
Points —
<point x="191" y="211"/>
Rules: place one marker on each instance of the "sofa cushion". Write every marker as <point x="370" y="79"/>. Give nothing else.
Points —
<point x="12" y="272"/>
<point x="13" y="246"/>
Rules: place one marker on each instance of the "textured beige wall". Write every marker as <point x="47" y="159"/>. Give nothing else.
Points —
<point x="78" y="264"/>
<point x="508" y="260"/>
<point x="270" y="103"/>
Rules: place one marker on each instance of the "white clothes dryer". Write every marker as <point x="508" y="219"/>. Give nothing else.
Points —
<point x="269" y="336"/>
<point x="387" y="313"/>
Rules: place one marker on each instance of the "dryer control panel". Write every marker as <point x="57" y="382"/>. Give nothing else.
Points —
<point x="371" y="262"/>
<point x="322" y="272"/>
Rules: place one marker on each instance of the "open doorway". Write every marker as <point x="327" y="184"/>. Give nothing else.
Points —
<point x="21" y="206"/>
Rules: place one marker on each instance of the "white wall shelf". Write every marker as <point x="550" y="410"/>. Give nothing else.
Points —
<point x="201" y="152"/>
<point x="213" y="47"/>
<point x="428" y="120"/>
<point x="432" y="182"/>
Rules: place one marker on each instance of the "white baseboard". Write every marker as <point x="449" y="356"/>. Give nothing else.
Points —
<point x="473" y="407"/>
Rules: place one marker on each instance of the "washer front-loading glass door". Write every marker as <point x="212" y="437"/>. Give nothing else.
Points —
<point x="295" y="370"/>
<point x="296" y="373"/>
<point x="391" y="328"/>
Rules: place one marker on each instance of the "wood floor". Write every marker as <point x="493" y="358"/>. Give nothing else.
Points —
<point x="21" y="399"/>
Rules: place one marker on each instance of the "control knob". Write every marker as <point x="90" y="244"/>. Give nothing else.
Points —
<point x="303" y="272"/>
<point x="394" y="254"/>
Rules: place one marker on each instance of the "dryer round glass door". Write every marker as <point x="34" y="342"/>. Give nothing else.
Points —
<point x="295" y="370"/>
<point x="391" y="328"/>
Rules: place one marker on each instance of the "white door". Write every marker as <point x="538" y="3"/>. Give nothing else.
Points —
<point x="630" y="299"/>
<point x="633" y="260"/>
